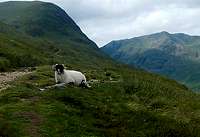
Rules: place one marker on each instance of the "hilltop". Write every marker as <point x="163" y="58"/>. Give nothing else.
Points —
<point x="173" y="55"/>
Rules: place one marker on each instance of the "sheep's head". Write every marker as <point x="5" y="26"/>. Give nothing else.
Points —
<point x="59" y="68"/>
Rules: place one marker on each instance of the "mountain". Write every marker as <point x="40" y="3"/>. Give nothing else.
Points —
<point x="36" y="33"/>
<point x="122" y="102"/>
<point x="173" y="55"/>
<point x="40" y="19"/>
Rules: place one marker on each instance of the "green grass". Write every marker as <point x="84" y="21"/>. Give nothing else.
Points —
<point x="124" y="102"/>
<point x="141" y="104"/>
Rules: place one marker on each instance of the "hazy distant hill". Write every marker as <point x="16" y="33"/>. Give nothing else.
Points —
<point x="33" y="33"/>
<point x="174" y="55"/>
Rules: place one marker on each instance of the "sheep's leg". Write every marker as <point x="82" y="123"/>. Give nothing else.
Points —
<point x="56" y="77"/>
<point x="84" y="84"/>
<point x="71" y="83"/>
<point x="53" y="86"/>
<point x="60" y="85"/>
<point x="87" y="85"/>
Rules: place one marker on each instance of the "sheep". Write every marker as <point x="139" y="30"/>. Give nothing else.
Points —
<point x="64" y="76"/>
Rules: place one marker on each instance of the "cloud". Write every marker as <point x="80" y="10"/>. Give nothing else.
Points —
<point x="107" y="20"/>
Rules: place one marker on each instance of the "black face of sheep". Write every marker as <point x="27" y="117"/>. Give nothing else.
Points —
<point x="59" y="68"/>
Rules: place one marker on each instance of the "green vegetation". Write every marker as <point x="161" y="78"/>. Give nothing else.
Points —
<point x="40" y="33"/>
<point x="173" y="55"/>
<point x="140" y="104"/>
<point x="123" y="101"/>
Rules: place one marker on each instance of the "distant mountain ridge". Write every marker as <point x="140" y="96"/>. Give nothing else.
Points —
<point x="174" y="55"/>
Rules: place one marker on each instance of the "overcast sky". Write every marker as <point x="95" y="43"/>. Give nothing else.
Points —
<point x="107" y="20"/>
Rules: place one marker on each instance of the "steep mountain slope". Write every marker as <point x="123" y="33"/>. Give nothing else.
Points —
<point x="40" y="19"/>
<point x="35" y="33"/>
<point x="174" y="55"/>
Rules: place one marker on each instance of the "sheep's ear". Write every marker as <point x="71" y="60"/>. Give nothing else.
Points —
<point x="63" y="65"/>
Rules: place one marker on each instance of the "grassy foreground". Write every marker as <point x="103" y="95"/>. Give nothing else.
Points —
<point x="134" y="103"/>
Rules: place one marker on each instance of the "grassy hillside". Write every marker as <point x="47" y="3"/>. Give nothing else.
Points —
<point x="40" y="19"/>
<point x="123" y="101"/>
<point x="136" y="104"/>
<point x="173" y="55"/>
<point x="35" y="33"/>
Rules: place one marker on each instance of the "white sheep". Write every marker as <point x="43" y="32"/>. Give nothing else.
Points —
<point x="64" y="76"/>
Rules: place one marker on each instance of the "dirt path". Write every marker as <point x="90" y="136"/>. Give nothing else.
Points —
<point x="6" y="77"/>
